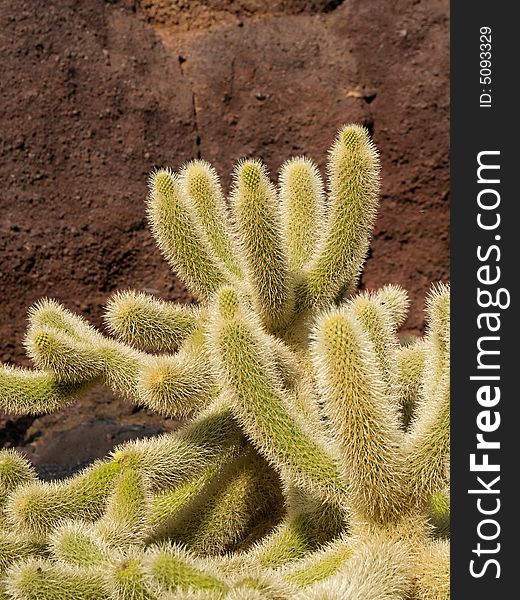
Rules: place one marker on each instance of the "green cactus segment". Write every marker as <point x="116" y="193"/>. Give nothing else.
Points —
<point x="304" y="399"/>
<point x="320" y="565"/>
<point x="244" y="493"/>
<point x="37" y="508"/>
<point x="173" y="459"/>
<point x="437" y="339"/>
<point x="354" y="187"/>
<point x="379" y="569"/>
<point x="38" y="579"/>
<point x="200" y="185"/>
<point x="439" y="513"/>
<point x="14" y="547"/>
<point x="146" y="322"/>
<point x="121" y="370"/>
<point x="48" y="313"/>
<point x="440" y="504"/>
<point x="261" y="405"/>
<point x="428" y="448"/>
<point x="428" y="444"/>
<point x="258" y="224"/>
<point x="259" y="585"/>
<point x="172" y="385"/>
<point x="227" y="303"/>
<point x="363" y="419"/>
<point x="179" y="238"/>
<point x="395" y="302"/>
<point x="179" y="384"/>
<point x="309" y="524"/>
<point x="302" y="203"/>
<point x="165" y="507"/>
<point x="378" y="326"/>
<point x="175" y="570"/>
<point x="125" y="519"/>
<point x="292" y="540"/>
<point x="410" y="368"/>
<point x="28" y="392"/>
<point x="75" y="352"/>
<point x="168" y="508"/>
<point x="432" y="569"/>
<point x="77" y="544"/>
<point x="15" y="470"/>
<point x="128" y="580"/>
<point x="68" y="360"/>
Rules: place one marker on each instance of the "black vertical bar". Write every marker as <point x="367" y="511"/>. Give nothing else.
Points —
<point x="485" y="127"/>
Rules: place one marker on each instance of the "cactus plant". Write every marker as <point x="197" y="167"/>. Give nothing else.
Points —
<point x="314" y="463"/>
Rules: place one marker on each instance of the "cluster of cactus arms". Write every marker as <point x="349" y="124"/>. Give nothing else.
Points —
<point x="314" y="463"/>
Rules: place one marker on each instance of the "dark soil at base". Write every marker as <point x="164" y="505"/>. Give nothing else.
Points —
<point x="94" y="94"/>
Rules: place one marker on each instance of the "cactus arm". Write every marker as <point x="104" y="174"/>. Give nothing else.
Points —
<point x="173" y="385"/>
<point x="247" y="370"/>
<point x="66" y="344"/>
<point x="363" y="420"/>
<point x="124" y="522"/>
<point x="179" y="238"/>
<point x="127" y="578"/>
<point x="180" y="384"/>
<point x="440" y="504"/>
<point x="437" y="338"/>
<point x="303" y="210"/>
<point x="145" y="322"/>
<point x="78" y="544"/>
<point x="15" y="470"/>
<point x="319" y="565"/>
<point x="39" y="579"/>
<point x="395" y="301"/>
<point x="354" y="186"/>
<point x="428" y="445"/>
<point x="202" y="191"/>
<point x="378" y="325"/>
<point x="48" y="313"/>
<point x="87" y="361"/>
<point x="410" y="369"/>
<point x="291" y="540"/>
<point x="243" y="493"/>
<point x="378" y="570"/>
<point x="264" y="254"/>
<point x="432" y="571"/>
<point x="14" y="547"/>
<point x="173" y="569"/>
<point x="32" y="392"/>
<point x="439" y="513"/>
<point x="308" y="525"/>
<point x="173" y="459"/>
<point x="168" y="506"/>
<point x="70" y="361"/>
<point x="37" y="508"/>
<point x="166" y="461"/>
<point x="428" y="442"/>
<point x="259" y="584"/>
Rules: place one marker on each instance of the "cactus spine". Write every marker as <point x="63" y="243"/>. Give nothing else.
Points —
<point x="315" y="461"/>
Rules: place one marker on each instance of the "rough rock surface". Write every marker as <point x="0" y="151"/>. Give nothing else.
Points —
<point x="94" y="94"/>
